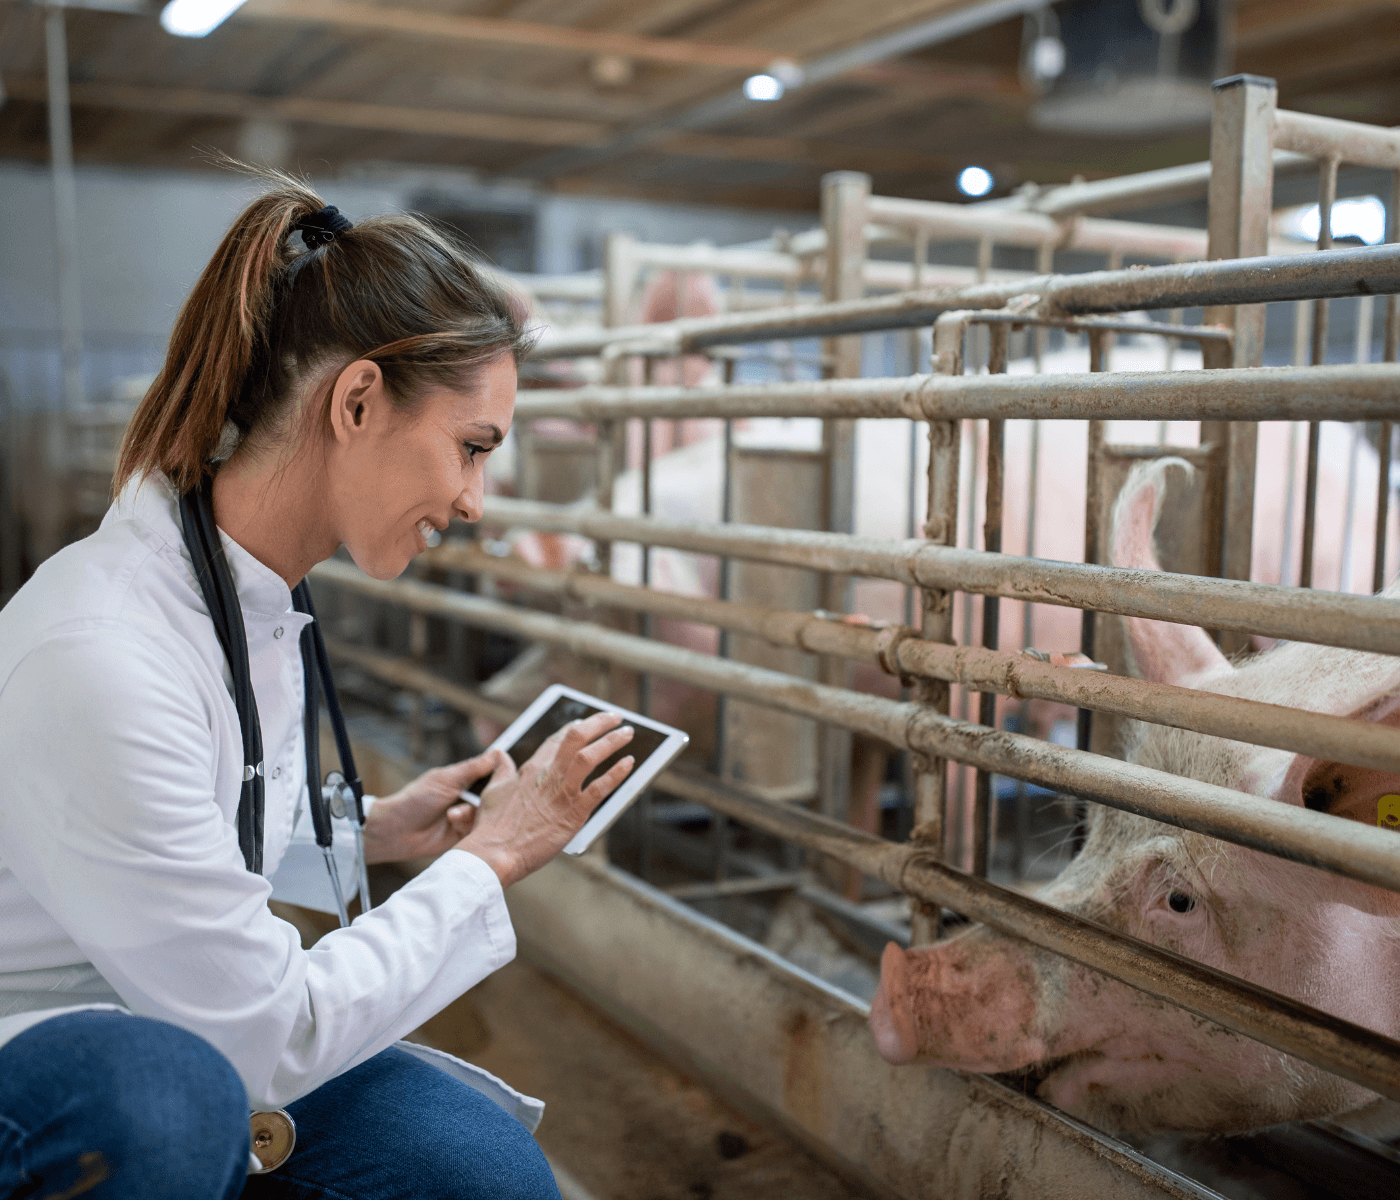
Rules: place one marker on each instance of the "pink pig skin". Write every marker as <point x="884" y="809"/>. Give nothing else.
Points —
<point x="1115" y="1056"/>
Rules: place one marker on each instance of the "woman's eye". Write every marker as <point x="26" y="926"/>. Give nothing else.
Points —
<point x="1181" y="902"/>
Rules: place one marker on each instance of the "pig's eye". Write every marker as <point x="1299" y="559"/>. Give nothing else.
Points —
<point x="1181" y="902"/>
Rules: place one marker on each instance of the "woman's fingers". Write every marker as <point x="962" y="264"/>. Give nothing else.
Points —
<point x="464" y="774"/>
<point x="608" y="782"/>
<point x="582" y="764"/>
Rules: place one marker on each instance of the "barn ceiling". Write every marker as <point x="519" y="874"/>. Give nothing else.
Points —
<point x="632" y="97"/>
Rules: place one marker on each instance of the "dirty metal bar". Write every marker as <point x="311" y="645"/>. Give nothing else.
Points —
<point x="1020" y="676"/>
<point x="1337" y="393"/>
<point x="930" y="774"/>
<point x="1305" y="567"/>
<point x="1372" y="269"/>
<point x="1294" y="614"/>
<point x="408" y="675"/>
<point x="1316" y="839"/>
<point x="1188" y="181"/>
<point x="1327" y="137"/>
<point x="1189" y="333"/>
<point x="1023" y="227"/>
<point x="1365" y="1057"/>
<point x="984" y="808"/>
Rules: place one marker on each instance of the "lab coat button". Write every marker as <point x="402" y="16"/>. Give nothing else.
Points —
<point x="277" y="633"/>
<point x="276" y="772"/>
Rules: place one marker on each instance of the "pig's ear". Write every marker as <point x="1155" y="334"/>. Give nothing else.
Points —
<point x="1162" y="652"/>
<point x="1357" y="793"/>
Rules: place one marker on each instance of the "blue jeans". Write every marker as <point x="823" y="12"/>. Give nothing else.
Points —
<point x="112" y="1107"/>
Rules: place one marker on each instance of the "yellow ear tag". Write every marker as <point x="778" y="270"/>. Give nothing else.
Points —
<point x="1388" y="812"/>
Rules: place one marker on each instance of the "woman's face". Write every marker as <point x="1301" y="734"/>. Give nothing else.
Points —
<point x="405" y="475"/>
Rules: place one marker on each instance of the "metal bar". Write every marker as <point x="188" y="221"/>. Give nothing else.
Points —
<point x="1316" y="839"/>
<point x="1339" y="393"/>
<point x="1329" y="138"/>
<point x="65" y="208"/>
<point x="1305" y="566"/>
<point x="1294" y="614"/>
<point x="1359" y="743"/>
<point x="782" y="881"/>
<point x="1093" y="467"/>
<point x="1366" y="1057"/>
<point x="984" y="802"/>
<point x="930" y="775"/>
<point x="1345" y="272"/>
<point x="1022" y="227"/>
<point x="1327" y="195"/>
<point x="1352" y="1051"/>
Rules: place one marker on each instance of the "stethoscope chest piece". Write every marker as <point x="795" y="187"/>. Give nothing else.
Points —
<point x="273" y="1136"/>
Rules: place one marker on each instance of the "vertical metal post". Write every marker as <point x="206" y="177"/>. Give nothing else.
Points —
<point x="1241" y="203"/>
<point x="1326" y="197"/>
<point x="65" y="208"/>
<point x="1093" y="483"/>
<point x="417" y="653"/>
<point x="984" y="800"/>
<point x="845" y="203"/>
<point x="1023" y="816"/>
<point x="719" y="823"/>
<point x="941" y="528"/>
<point x="1387" y="430"/>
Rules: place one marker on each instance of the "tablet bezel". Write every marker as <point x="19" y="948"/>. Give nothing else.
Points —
<point x="642" y="774"/>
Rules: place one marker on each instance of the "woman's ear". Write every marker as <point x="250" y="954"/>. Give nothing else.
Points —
<point x="356" y="395"/>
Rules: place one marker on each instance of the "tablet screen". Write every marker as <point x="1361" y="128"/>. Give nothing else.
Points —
<point x="645" y="742"/>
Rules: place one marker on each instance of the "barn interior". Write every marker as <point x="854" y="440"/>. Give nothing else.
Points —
<point x="819" y="288"/>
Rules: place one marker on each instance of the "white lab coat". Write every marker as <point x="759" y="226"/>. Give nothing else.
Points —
<point x="121" y="880"/>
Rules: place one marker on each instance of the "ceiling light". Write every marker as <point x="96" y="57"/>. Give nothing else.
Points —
<point x="975" y="181"/>
<point x="756" y="87"/>
<point x="1362" y="217"/>
<point x="196" y="18"/>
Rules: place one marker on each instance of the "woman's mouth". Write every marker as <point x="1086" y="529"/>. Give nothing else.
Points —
<point x="431" y="537"/>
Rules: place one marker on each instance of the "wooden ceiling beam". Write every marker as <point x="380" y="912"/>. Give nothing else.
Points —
<point x="1273" y="21"/>
<point x="385" y="118"/>
<point x="442" y="27"/>
<point x="433" y="122"/>
<point x="829" y="156"/>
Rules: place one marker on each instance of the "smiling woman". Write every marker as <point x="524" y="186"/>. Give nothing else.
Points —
<point x="345" y="392"/>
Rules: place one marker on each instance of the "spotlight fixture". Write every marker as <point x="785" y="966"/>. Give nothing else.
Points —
<point x="763" y="87"/>
<point x="975" y="181"/>
<point x="196" y="18"/>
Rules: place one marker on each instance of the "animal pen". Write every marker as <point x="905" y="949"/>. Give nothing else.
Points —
<point x="714" y="999"/>
<point x="805" y="603"/>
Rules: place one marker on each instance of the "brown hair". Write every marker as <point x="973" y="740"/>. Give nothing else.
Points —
<point x="392" y="290"/>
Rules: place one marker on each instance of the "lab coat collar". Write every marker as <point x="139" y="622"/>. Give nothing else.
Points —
<point x="261" y="591"/>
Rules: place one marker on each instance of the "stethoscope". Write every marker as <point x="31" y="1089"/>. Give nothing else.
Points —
<point x="342" y="792"/>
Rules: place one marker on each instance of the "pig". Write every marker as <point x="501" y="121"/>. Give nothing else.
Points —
<point x="1108" y="1053"/>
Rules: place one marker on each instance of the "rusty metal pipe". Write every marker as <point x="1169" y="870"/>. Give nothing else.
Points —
<point x="1327" y="137"/>
<point x="1371" y="270"/>
<point x="1295" y="614"/>
<point x="1337" y="393"/>
<point x="1342" y="1047"/>
<point x="1315" y="839"/>
<point x="1350" y="1050"/>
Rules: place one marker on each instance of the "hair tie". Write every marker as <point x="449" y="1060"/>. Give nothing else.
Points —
<point x="321" y="228"/>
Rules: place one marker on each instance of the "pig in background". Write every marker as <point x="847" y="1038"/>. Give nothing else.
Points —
<point x="1109" y="1054"/>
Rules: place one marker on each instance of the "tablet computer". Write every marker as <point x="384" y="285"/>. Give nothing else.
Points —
<point x="653" y="745"/>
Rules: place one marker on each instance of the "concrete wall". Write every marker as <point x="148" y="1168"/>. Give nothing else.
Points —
<point x="145" y="235"/>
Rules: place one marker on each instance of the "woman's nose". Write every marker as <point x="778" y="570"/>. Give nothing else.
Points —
<point x="469" y="501"/>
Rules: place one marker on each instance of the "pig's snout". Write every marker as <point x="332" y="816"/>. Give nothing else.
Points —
<point x="969" y="1004"/>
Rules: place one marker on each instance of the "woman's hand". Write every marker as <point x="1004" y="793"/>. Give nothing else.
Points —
<point x="428" y="816"/>
<point x="527" y="817"/>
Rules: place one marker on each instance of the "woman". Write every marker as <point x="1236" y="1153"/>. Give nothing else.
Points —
<point x="344" y="392"/>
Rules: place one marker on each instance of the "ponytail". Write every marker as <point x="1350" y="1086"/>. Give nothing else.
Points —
<point x="390" y="289"/>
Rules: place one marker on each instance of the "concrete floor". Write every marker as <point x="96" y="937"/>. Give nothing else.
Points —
<point x="621" y="1123"/>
